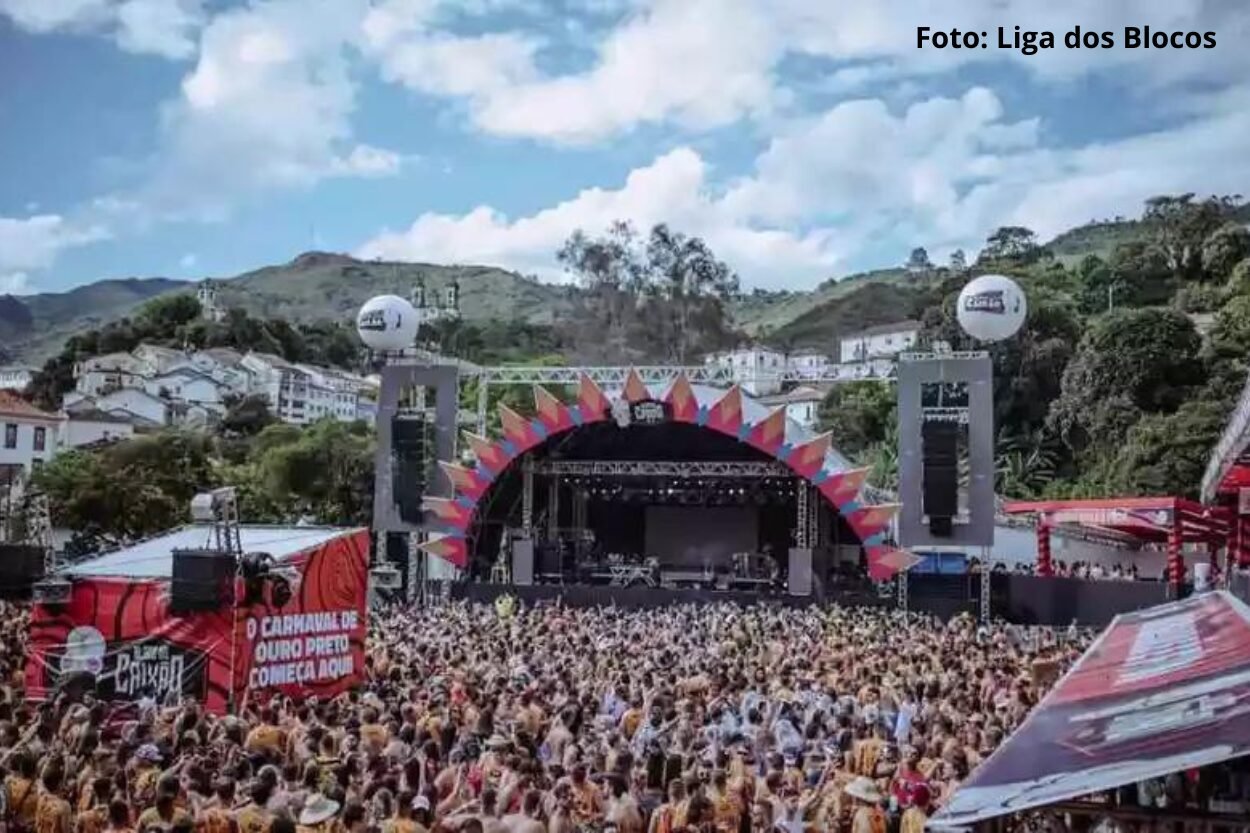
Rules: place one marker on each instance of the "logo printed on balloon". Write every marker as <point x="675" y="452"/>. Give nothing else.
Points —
<point x="991" y="308"/>
<point x="387" y="322"/>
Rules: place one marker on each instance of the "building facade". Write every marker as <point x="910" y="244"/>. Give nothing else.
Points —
<point x="28" y="439"/>
<point x="15" y="377"/>
<point x="883" y="342"/>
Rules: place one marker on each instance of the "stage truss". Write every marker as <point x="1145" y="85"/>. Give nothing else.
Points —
<point x="658" y="468"/>
<point x="606" y="376"/>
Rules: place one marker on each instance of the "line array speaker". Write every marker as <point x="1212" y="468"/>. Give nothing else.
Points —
<point x="940" y="474"/>
<point x="409" y="465"/>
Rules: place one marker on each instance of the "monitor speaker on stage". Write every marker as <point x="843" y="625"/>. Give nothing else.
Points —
<point x="523" y="562"/>
<point x="799" y="581"/>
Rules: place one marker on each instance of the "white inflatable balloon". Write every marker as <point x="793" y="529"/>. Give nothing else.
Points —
<point x="387" y="322"/>
<point x="991" y="308"/>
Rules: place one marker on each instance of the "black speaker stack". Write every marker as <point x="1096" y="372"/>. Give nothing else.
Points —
<point x="21" y="565"/>
<point x="201" y="580"/>
<point x="409" y="442"/>
<point x="940" y="474"/>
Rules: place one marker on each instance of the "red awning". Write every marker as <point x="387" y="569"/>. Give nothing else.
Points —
<point x="1143" y="519"/>
<point x="1161" y="690"/>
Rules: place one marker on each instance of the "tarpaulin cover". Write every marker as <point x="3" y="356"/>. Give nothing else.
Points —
<point x="1161" y="690"/>
<point x="122" y="632"/>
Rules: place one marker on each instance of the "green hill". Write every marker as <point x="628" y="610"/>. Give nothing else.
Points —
<point x="314" y="286"/>
<point x="32" y="327"/>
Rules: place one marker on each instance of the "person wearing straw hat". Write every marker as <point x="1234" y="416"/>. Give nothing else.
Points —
<point x="867" y="816"/>
<point x="317" y="813"/>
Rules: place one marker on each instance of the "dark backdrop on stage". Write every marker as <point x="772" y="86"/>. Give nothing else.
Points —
<point x="697" y="537"/>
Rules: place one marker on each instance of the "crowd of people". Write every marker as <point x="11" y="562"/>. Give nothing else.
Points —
<point x="487" y="719"/>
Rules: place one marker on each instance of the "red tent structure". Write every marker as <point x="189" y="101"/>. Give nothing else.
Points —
<point x="1162" y="690"/>
<point x="1171" y="521"/>
<point x="1227" y="479"/>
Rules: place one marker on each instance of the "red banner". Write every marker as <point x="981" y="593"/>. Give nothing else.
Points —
<point x="307" y="638"/>
<point x="1162" y="690"/>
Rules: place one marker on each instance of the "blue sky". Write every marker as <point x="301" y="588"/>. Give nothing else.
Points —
<point x="803" y="139"/>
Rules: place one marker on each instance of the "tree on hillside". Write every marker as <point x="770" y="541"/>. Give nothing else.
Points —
<point x="959" y="260"/>
<point x="128" y="490"/>
<point x="665" y="295"/>
<point x="859" y="415"/>
<point x="1016" y="244"/>
<point x="1131" y="362"/>
<point x="918" y="261"/>
<point x="164" y="315"/>
<point x="246" y="416"/>
<point x="1181" y="225"/>
<point x="326" y="473"/>
<point x="689" y="289"/>
<point x="1224" y="249"/>
<point x="1230" y="335"/>
<point x="1166" y="454"/>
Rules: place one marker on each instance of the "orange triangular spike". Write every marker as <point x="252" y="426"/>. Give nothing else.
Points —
<point x="513" y="424"/>
<point x="546" y="405"/>
<point x="635" y="390"/>
<point x="590" y="398"/>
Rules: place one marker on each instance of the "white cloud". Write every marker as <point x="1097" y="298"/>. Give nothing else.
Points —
<point x="146" y="27"/>
<point x="268" y="105"/>
<point x="700" y="63"/>
<point x="188" y="260"/>
<point x="32" y="243"/>
<point x="672" y="189"/>
<point x="14" y="283"/>
<point x="859" y="179"/>
<point x="707" y="63"/>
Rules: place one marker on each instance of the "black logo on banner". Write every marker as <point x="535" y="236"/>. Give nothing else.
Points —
<point x="648" y="412"/>
<point x="156" y="669"/>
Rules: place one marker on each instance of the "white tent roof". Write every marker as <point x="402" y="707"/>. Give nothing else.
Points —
<point x="154" y="557"/>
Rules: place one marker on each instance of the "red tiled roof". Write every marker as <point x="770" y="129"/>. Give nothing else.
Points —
<point x="12" y="405"/>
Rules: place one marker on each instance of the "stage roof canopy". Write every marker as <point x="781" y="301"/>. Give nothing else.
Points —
<point x="1161" y="690"/>
<point x="1139" y="519"/>
<point x="154" y="558"/>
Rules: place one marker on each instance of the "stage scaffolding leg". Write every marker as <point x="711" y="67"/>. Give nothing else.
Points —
<point x="901" y="580"/>
<point x="527" y="499"/>
<point x="801" y="525"/>
<point x="986" y="581"/>
<point x="483" y="399"/>
<point x="553" y="508"/>
<point x="813" y="516"/>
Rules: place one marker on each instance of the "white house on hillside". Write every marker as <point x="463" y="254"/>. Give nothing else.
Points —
<point x="28" y="439"/>
<point x="109" y="372"/>
<point x="883" y="342"/>
<point x="757" y="369"/>
<point x="186" y="384"/>
<point x="90" y="427"/>
<point x="148" y="410"/>
<point x="802" y="404"/>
